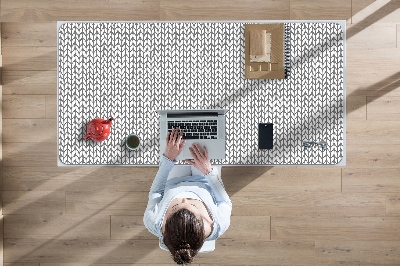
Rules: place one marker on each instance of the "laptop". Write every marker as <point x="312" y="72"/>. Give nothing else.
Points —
<point x="204" y="127"/>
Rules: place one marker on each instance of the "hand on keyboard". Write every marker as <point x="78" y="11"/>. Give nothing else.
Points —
<point x="200" y="159"/>
<point x="174" y="144"/>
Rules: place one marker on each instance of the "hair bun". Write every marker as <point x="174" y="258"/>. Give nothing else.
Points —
<point x="183" y="256"/>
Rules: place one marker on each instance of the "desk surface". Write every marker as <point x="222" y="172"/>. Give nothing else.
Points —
<point x="126" y="70"/>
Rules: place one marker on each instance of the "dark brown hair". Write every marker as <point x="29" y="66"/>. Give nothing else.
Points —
<point x="184" y="235"/>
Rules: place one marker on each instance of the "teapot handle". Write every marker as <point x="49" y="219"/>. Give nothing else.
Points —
<point x="108" y="121"/>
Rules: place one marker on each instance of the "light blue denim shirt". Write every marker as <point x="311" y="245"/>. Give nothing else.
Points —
<point x="209" y="188"/>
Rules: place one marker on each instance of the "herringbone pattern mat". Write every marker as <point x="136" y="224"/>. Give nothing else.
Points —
<point x="128" y="70"/>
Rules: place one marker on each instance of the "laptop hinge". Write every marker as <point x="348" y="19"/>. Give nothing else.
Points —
<point x="194" y="114"/>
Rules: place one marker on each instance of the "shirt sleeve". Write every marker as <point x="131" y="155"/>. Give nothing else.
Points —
<point x="222" y="199"/>
<point x="156" y="194"/>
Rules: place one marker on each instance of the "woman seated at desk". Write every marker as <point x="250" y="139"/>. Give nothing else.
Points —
<point x="187" y="209"/>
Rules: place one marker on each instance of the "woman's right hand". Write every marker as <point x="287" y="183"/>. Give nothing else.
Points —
<point x="174" y="144"/>
<point x="200" y="159"/>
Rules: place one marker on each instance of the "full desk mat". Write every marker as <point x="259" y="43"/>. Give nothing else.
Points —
<point x="127" y="70"/>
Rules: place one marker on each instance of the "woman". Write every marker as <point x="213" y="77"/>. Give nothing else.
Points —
<point x="184" y="210"/>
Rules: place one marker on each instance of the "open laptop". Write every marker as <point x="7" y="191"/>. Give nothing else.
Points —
<point x="204" y="127"/>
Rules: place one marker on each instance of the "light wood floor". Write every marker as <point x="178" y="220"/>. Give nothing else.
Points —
<point x="281" y="215"/>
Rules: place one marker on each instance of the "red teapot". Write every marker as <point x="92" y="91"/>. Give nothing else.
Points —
<point x="98" y="129"/>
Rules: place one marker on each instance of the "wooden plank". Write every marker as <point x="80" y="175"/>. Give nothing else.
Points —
<point x="364" y="252"/>
<point x="1" y="153"/>
<point x="364" y="80"/>
<point x="0" y="38"/>
<point x="224" y="10"/>
<point x="147" y="251"/>
<point x="30" y="82"/>
<point x="397" y="35"/>
<point x="309" y="204"/>
<point x="24" y="106"/>
<point x="358" y="6"/>
<point x="371" y="180"/>
<point x="78" y="178"/>
<point x="57" y="178"/>
<point x="393" y="204"/>
<point x="36" y="35"/>
<point x="370" y="264"/>
<point x="21" y="264"/>
<point x="33" y="202"/>
<point x="23" y="79"/>
<point x="29" y="130"/>
<point x="360" y="155"/>
<point x="324" y="9"/>
<point x="384" y="36"/>
<point x="50" y="226"/>
<point x="369" y="12"/>
<point x="110" y="203"/>
<point x="285" y="179"/>
<point x="20" y="51"/>
<point x="356" y="108"/>
<point x="44" y="10"/>
<point x="133" y="179"/>
<point x="129" y="227"/>
<point x="373" y="132"/>
<point x="1" y="238"/>
<point x="114" y="264"/>
<point x="41" y="62"/>
<point x="259" y="252"/>
<point x="88" y="251"/>
<point x="249" y="227"/>
<point x="30" y="89"/>
<point x="378" y="18"/>
<point x="51" y="107"/>
<point x="383" y="108"/>
<point x="31" y="59"/>
<point x="30" y="154"/>
<point x="335" y="228"/>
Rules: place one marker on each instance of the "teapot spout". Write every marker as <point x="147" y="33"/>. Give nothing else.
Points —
<point x="87" y="136"/>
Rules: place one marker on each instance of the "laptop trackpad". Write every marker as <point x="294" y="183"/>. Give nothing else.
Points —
<point x="215" y="148"/>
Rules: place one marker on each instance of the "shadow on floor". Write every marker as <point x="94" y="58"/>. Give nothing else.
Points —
<point x="378" y="89"/>
<point x="382" y="12"/>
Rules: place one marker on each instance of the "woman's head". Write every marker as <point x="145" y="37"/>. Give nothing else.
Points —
<point x="184" y="235"/>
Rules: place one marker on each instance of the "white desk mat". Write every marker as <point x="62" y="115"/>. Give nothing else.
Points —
<point x="126" y="70"/>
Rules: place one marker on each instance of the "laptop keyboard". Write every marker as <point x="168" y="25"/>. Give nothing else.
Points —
<point x="195" y="129"/>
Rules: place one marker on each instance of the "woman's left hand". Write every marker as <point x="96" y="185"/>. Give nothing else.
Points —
<point x="174" y="144"/>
